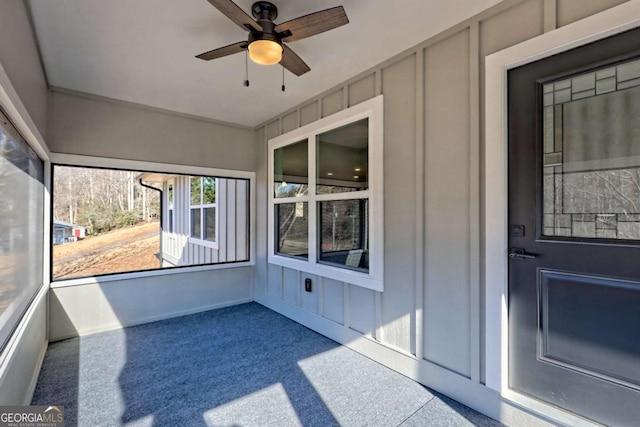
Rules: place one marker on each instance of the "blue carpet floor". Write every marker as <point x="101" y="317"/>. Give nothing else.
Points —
<point x="238" y="366"/>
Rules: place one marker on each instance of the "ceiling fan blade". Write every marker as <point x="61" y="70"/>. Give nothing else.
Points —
<point x="312" y="24"/>
<point x="223" y="51"/>
<point x="292" y="62"/>
<point x="237" y="15"/>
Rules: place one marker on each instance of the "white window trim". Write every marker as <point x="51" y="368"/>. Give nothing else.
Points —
<point x="200" y="241"/>
<point x="374" y="279"/>
<point x="610" y="22"/>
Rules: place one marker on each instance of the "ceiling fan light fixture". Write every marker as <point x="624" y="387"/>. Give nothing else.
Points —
<point x="265" y="52"/>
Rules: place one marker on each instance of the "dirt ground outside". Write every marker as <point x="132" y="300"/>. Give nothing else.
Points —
<point x="128" y="249"/>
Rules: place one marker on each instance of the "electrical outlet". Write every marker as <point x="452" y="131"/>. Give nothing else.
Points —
<point x="307" y="285"/>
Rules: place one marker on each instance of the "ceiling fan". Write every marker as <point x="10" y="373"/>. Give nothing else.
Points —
<point x="266" y="41"/>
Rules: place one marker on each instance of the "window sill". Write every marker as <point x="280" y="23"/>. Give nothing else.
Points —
<point x="352" y="277"/>
<point x="116" y="277"/>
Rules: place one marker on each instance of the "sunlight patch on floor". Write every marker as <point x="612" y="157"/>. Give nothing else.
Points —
<point x="270" y="405"/>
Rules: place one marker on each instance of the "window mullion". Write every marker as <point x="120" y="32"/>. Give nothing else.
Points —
<point x="349" y="195"/>
<point x="302" y="199"/>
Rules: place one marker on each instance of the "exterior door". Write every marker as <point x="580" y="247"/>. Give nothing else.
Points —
<point x="574" y="227"/>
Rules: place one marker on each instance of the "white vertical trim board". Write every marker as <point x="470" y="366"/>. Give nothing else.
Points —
<point x="417" y="341"/>
<point x="616" y="20"/>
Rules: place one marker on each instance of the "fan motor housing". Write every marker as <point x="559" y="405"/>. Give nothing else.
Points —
<point x="263" y="36"/>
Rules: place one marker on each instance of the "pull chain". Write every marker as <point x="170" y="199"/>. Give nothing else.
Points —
<point x="246" y="68"/>
<point x="283" y="74"/>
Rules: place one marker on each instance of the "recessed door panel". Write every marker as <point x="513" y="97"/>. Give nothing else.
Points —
<point x="586" y="322"/>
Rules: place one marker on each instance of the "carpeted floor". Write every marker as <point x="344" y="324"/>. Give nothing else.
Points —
<point x="238" y="366"/>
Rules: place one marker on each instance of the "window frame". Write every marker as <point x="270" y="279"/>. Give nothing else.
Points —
<point x="373" y="111"/>
<point x="76" y="160"/>
<point x="201" y="241"/>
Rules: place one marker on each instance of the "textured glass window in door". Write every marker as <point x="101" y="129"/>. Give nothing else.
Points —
<point x="591" y="154"/>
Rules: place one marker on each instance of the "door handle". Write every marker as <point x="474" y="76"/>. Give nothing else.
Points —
<point x="520" y="253"/>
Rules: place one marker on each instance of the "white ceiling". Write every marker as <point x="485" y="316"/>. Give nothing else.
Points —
<point x="142" y="51"/>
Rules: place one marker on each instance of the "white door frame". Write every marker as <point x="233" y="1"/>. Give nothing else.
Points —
<point x="607" y="23"/>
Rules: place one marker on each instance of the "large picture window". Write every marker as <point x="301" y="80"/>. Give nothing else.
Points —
<point x="108" y="221"/>
<point x="325" y="197"/>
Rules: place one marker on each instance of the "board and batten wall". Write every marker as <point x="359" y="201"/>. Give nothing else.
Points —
<point x="232" y="203"/>
<point x="428" y="321"/>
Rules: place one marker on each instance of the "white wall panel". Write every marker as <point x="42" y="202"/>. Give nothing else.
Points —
<point x="446" y="294"/>
<point x="333" y="103"/>
<point x="291" y="285"/>
<point x="89" y="308"/>
<point x="290" y="121"/>
<point x="362" y="90"/>
<point x="333" y="300"/>
<point x="309" y="113"/>
<point x="398" y="300"/>
<point x="362" y="303"/>
<point x="274" y="283"/>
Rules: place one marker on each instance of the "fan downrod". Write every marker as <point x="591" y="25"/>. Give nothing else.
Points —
<point x="264" y="10"/>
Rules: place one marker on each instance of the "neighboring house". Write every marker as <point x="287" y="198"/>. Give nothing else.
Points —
<point x="65" y="232"/>
<point x="204" y="219"/>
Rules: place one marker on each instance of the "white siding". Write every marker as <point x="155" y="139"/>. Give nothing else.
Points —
<point x="233" y="208"/>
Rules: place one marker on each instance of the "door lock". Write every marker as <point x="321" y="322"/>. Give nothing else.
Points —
<point x="520" y="253"/>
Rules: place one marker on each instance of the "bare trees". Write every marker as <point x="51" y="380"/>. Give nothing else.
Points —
<point x="101" y="199"/>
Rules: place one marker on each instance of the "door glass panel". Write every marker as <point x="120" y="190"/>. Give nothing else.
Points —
<point x="591" y="154"/>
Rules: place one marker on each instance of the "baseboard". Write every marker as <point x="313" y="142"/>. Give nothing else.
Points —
<point x="457" y="387"/>
<point x="36" y="374"/>
<point x="114" y="326"/>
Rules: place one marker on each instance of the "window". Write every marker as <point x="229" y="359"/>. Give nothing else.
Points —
<point x="21" y="227"/>
<point x="203" y="209"/>
<point x="108" y="221"/>
<point x="325" y="197"/>
<point x="169" y="224"/>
